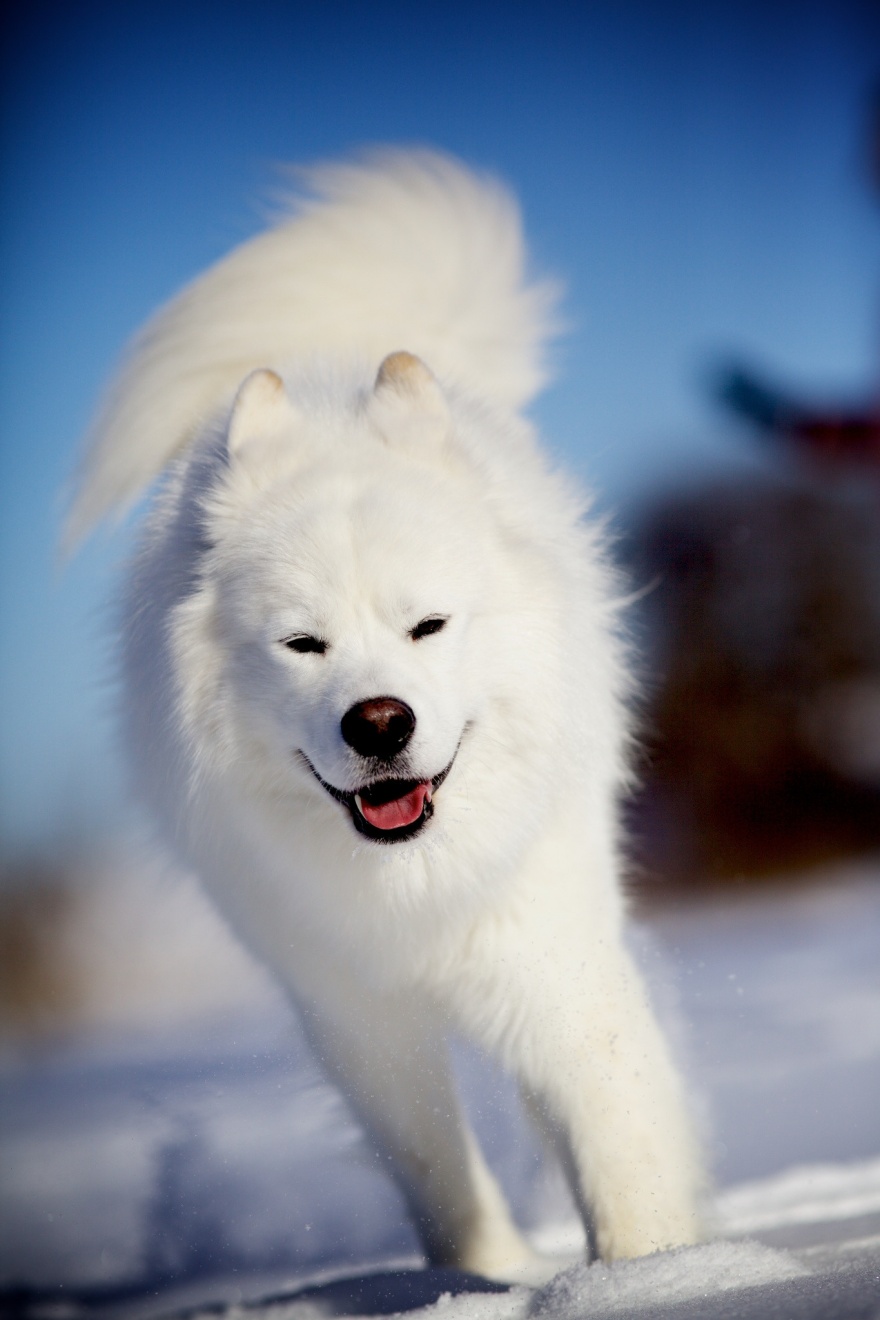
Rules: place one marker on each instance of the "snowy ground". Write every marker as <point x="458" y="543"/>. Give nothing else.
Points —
<point x="180" y="1147"/>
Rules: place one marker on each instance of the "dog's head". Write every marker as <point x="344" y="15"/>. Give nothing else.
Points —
<point x="351" y="566"/>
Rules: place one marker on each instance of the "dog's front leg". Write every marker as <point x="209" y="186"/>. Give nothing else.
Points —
<point x="566" y="1011"/>
<point x="388" y="1054"/>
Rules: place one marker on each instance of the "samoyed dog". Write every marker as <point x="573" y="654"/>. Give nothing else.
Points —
<point x="374" y="690"/>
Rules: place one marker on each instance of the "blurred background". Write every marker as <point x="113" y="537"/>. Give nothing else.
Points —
<point x="705" y="179"/>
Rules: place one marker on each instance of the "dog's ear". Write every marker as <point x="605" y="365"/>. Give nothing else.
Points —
<point x="261" y="411"/>
<point x="407" y="403"/>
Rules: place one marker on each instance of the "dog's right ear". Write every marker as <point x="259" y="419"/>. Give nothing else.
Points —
<point x="261" y="411"/>
<point x="407" y="403"/>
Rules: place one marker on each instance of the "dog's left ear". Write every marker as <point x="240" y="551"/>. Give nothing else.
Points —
<point x="407" y="403"/>
<point x="261" y="411"/>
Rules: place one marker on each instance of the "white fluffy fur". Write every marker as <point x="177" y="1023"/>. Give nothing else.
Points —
<point x="349" y="511"/>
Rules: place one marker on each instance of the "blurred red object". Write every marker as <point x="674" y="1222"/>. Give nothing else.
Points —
<point x="834" y="435"/>
<point x="851" y="438"/>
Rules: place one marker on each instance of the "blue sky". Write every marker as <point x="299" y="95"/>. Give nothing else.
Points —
<point x="693" y="171"/>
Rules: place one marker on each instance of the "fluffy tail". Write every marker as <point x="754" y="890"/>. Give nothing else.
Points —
<point x="405" y="250"/>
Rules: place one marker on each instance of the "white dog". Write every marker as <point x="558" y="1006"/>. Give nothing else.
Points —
<point x="374" y="692"/>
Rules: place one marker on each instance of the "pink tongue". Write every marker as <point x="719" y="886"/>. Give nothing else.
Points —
<point x="401" y="811"/>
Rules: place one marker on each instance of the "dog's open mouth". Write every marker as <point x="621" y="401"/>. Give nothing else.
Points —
<point x="388" y="810"/>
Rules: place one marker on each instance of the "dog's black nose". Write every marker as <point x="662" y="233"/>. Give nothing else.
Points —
<point x="379" y="728"/>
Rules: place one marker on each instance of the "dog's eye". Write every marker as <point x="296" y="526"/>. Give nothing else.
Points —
<point x="302" y="643"/>
<point x="426" y="627"/>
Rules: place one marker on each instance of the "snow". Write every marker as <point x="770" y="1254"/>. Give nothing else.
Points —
<point x="184" y="1148"/>
<point x="817" y="1193"/>
<point x="721" y="1279"/>
<point x="675" y="1276"/>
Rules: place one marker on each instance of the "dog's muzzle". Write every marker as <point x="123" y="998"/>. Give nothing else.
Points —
<point x="388" y="810"/>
